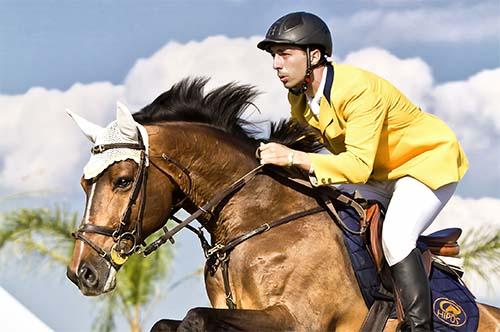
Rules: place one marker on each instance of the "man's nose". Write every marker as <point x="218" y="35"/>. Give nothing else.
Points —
<point x="277" y="62"/>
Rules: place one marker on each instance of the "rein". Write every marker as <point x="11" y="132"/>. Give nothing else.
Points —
<point x="202" y="210"/>
<point x="118" y="253"/>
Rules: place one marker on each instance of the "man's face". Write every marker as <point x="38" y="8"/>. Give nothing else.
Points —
<point x="290" y="63"/>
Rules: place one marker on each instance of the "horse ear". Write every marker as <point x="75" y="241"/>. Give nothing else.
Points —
<point x="88" y="128"/>
<point x="126" y="122"/>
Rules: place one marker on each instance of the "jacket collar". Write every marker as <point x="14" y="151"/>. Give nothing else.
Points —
<point x="330" y="73"/>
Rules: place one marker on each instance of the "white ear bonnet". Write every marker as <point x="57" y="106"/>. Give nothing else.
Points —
<point x="122" y="130"/>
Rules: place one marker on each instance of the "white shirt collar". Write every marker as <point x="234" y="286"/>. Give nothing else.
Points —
<point x="314" y="102"/>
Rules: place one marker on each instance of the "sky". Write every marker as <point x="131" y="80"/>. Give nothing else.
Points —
<point x="86" y="55"/>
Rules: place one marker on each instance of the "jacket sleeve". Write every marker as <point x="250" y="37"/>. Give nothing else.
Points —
<point x="364" y="114"/>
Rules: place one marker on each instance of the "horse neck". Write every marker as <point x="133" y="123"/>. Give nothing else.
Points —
<point x="216" y="160"/>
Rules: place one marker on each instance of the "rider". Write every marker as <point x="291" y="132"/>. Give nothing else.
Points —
<point x="381" y="145"/>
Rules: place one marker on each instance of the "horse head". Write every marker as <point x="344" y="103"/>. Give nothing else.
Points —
<point x="116" y="219"/>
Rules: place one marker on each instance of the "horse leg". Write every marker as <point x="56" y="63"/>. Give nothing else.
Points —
<point x="166" y="325"/>
<point x="272" y="319"/>
<point x="489" y="318"/>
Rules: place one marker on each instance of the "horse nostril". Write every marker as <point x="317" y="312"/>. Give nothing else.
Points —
<point x="88" y="275"/>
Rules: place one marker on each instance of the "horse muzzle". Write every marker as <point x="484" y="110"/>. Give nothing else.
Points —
<point x="93" y="279"/>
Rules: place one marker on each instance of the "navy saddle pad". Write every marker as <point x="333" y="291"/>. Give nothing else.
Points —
<point x="454" y="307"/>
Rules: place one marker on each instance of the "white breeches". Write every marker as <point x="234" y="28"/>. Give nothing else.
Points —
<point x="411" y="208"/>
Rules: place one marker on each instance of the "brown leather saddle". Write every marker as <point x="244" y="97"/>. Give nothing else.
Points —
<point x="440" y="243"/>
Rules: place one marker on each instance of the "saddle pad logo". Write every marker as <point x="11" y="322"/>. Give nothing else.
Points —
<point x="449" y="312"/>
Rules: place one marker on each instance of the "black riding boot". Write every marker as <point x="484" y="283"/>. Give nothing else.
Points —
<point x="412" y="284"/>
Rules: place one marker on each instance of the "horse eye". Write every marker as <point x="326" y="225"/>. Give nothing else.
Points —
<point x="122" y="182"/>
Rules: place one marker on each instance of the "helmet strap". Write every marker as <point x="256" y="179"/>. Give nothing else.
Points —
<point x="302" y="87"/>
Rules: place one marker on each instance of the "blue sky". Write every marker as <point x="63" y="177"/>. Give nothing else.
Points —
<point x="86" y="54"/>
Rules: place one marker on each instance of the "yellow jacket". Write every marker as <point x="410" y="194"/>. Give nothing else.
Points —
<point x="375" y="132"/>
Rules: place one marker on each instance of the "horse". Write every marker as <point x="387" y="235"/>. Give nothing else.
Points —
<point x="196" y="152"/>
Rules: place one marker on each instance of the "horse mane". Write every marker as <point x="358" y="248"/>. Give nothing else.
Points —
<point x="223" y="108"/>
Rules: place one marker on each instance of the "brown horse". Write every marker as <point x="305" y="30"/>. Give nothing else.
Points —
<point x="295" y="277"/>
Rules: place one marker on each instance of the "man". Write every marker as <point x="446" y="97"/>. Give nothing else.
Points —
<point x="381" y="145"/>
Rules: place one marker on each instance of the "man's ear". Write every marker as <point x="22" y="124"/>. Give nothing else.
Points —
<point x="315" y="55"/>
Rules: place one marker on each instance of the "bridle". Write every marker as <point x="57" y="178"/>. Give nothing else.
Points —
<point x="119" y="252"/>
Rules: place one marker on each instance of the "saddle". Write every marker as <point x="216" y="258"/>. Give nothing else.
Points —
<point x="441" y="243"/>
<point x="437" y="248"/>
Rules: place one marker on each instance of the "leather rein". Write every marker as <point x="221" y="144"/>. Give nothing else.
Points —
<point x="216" y="255"/>
<point x="120" y="251"/>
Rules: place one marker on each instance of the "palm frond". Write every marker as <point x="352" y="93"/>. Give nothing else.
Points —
<point x="139" y="282"/>
<point x="195" y="274"/>
<point x="105" y="319"/>
<point x="138" y="278"/>
<point x="45" y="232"/>
<point x="480" y="249"/>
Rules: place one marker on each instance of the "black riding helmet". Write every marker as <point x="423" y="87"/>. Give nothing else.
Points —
<point x="301" y="29"/>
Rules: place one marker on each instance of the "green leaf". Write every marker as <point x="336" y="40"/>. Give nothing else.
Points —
<point x="480" y="249"/>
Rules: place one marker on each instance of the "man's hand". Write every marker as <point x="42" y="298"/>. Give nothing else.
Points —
<point x="280" y="155"/>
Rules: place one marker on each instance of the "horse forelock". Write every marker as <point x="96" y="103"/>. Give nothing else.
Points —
<point x="222" y="108"/>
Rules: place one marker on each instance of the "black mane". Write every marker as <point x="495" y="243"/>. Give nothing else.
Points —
<point x="222" y="108"/>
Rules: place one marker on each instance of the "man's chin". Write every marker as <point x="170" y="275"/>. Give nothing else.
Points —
<point x="289" y="85"/>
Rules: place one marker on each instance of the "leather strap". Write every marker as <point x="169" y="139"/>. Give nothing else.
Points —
<point x="377" y="316"/>
<point x="326" y="196"/>
<point x="227" y="287"/>
<point x="90" y="228"/>
<point x="203" y="209"/>
<point x="103" y="147"/>
<point x="264" y="228"/>
<point x="100" y="251"/>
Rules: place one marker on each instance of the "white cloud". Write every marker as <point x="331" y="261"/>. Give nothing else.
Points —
<point x="451" y="23"/>
<point x="468" y="214"/>
<point x="472" y="107"/>
<point x="41" y="147"/>
<point x="221" y="58"/>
